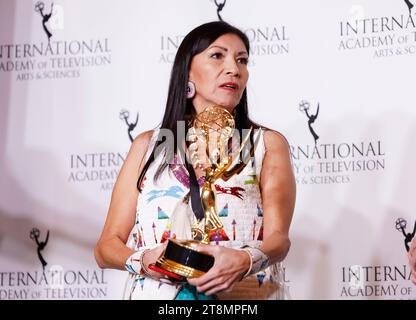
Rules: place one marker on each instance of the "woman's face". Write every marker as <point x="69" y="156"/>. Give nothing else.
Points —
<point x="220" y="73"/>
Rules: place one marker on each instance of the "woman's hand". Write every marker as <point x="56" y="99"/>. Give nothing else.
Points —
<point x="151" y="256"/>
<point x="229" y="267"/>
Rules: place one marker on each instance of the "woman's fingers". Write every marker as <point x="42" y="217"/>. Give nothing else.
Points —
<point x="203" y="280"/>
<point x="211" y="278"/>
<point x="220" y="288"/>
<point x="227" y="270"/>
<point x="215" y="284"/>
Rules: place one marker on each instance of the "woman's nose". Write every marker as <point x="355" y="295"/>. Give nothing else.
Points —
<point x="231" y="67"/>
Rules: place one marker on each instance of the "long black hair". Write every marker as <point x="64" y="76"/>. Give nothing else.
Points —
<point x="178" y="107"/>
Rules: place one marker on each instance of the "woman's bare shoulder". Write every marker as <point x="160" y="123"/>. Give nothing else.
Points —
<point x="134" y="160"/>
<point x="141" y="142"/>
<point x="274" y="140"/>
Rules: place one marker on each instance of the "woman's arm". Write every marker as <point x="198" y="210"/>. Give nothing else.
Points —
<point x="278" y="192"/>
<point x="111" y="250"/>
<point x="412" y="259"/>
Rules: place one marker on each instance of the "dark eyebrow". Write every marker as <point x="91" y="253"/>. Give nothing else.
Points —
<point x="225" y="49"/>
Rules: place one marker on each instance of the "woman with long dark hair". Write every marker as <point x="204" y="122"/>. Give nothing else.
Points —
<point x="156" y="184"/>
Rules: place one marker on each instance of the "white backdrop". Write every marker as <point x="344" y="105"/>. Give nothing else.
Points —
<point x="64" y="133"/>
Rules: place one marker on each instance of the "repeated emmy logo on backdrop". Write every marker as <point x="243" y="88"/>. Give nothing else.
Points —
<point x="50" y="281"/>
<point x="408" y="237"/>
<point x="100" y="169"/>
<point x="265" y="40"/>
<point x="392" y="34"/>
<point x="40" y="7"/>
<point x="321" y="160"/>
<point x="34" y="235"/>
<point x="382" y="281"/>
<point x="410" y="6"/>
<point x="124" y="115"/>
<point x="50" y="55"/>
<point x="305" y="107"/>
<point x="220" y="5"/>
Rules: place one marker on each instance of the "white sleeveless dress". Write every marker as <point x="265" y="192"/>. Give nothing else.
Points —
<point x="239" y="206"/>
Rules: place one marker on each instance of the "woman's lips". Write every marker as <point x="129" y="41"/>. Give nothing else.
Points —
<point x="229" y="89"/>
<point x="230" y="86"/>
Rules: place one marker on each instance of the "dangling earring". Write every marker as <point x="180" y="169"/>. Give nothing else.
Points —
<point x="190" y="90"/>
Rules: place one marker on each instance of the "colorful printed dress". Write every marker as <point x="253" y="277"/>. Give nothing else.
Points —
<point x="240" y="208"/>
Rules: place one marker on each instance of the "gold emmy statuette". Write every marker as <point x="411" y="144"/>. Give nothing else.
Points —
<point x="181" y="259"/>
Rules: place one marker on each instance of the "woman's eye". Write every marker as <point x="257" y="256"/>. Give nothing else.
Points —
<point x="216" y="55"/>
<point x="243" y="60"/>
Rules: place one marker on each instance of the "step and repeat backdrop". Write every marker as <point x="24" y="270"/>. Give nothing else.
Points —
<point x="80" y="79"/>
